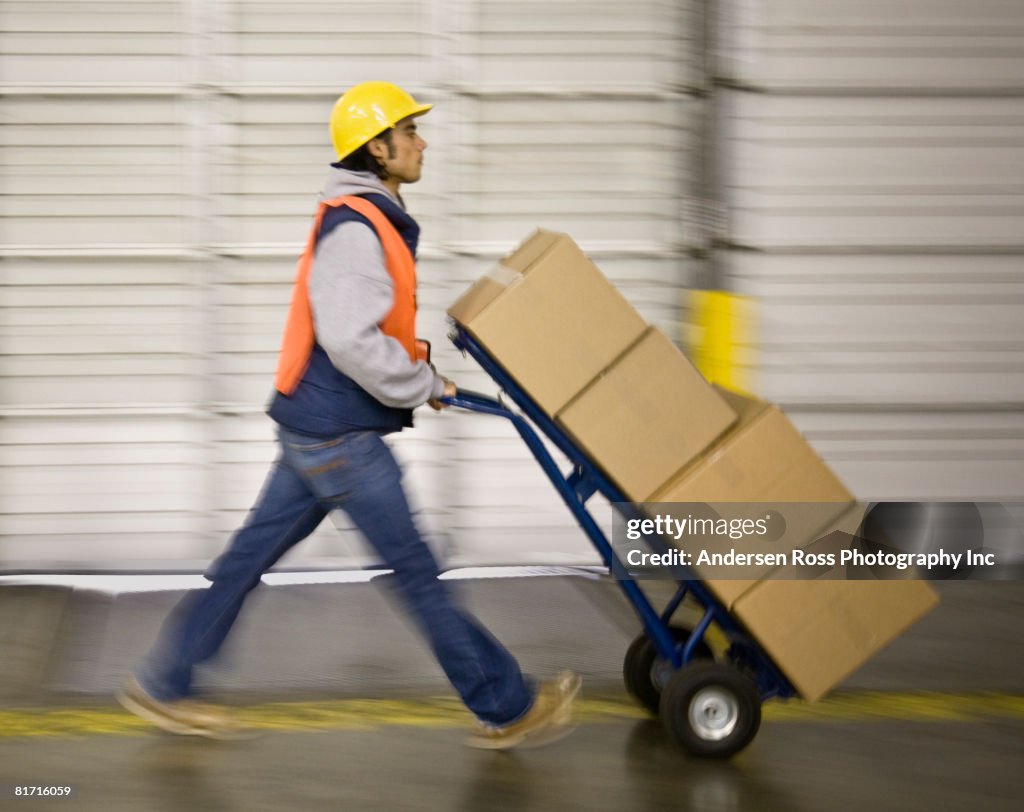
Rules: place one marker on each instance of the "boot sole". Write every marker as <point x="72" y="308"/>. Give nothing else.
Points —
<point x="144" y="710"/>
<point x="559" y="727"/>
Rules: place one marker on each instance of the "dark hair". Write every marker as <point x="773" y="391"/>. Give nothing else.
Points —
<point x="362" y="161"/>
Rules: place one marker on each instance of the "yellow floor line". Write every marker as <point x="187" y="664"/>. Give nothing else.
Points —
<point x="372" y="714"/>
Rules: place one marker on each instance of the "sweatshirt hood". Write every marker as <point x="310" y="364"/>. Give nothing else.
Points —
<point x="342" y="182"/>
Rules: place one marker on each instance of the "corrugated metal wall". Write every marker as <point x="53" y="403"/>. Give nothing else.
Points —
<point x="161" y="162"/>
<point x="873" y="168"/>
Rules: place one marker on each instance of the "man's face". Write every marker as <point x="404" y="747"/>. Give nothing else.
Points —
<point x="404" y="161"/>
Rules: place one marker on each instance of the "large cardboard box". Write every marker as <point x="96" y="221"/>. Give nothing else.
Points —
<point x="762" y="459"/>
<point x="819" y="631"/>
<point x="761" y="464"/>
<point x="729" y="586"/>
<point x="647" y="415"/>
<point x="549" y="317"/>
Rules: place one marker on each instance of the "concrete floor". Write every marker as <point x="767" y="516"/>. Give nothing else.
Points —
<point x="880" y="744"/>
<point x="622" y="765"/>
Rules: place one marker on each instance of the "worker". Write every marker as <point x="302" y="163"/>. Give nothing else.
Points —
<point x="350" y="372"/>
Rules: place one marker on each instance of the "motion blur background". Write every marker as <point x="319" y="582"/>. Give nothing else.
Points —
<point x="853" y="168"/>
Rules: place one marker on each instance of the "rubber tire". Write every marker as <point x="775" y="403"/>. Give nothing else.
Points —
<point x="680" y="692"/>
<point x="639" y="663"/>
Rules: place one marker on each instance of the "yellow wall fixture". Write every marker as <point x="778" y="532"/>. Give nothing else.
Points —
<point x="719" y="332"/>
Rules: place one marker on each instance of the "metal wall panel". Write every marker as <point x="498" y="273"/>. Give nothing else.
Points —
<point x="595" y="168"/>
<point x="876" y="173"/>
<point x="583" y="45"/>
<point x="92" y="171"/>
<point x="928" y="331"/>
<point x="86" y="332"/>
<point x="883" y="454"/>
<point x="84" y="43"/>
<point x="112" y="489"/>
<point x="321" y="44"/>
<point x="873" y="164"/>
<point x="914" y="47"/>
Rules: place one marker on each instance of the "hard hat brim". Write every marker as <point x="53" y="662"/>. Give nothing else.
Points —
<point x="419" y="111"/>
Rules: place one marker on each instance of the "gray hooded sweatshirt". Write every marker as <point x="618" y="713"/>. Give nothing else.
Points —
<point x="351" y="293"/>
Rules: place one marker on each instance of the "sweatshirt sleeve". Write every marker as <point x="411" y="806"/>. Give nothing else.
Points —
<point x="350" y="293"/>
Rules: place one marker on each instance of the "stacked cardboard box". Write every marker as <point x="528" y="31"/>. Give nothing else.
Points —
<point x="762" y="459"/>
<point x="621" y="388"/>
<point x="644" y="414"/>
<point x="550" y="317"/>
<point x="819" y="631"/>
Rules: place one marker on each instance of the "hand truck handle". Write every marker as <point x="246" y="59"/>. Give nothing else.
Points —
<point x="477" y="402"/>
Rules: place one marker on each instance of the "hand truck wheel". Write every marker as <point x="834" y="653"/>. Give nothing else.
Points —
<point x="711" y="709"/>
<point x="645" y="672"/>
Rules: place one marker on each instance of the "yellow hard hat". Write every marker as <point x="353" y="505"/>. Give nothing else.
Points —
<point x="367" y="110"/>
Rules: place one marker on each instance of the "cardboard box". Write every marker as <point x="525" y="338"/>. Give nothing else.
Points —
<point x="819" y="631"/>
<point x="828" y="539"/>
<point x="762" y="459"/>
<point x="762" y="463"/>
<point x="646" y="416"/>
<point x="549" y="317"/>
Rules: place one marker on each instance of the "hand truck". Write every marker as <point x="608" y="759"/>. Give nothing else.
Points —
<point x="710" y="706"/>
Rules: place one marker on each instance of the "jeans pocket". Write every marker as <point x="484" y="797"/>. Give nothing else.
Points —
<point x="330" y="467"/>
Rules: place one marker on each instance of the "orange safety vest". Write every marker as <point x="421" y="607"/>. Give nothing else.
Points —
<point x="400" y="323"/>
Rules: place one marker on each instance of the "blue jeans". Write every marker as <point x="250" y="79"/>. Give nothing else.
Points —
<point x="357" y="473"/>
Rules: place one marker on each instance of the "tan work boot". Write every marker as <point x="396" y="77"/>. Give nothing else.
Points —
<point x="186" y="717"/>
<point x="548" y="720"/>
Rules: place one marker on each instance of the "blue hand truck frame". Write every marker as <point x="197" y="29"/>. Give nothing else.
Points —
<point x="711" y="709"/>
